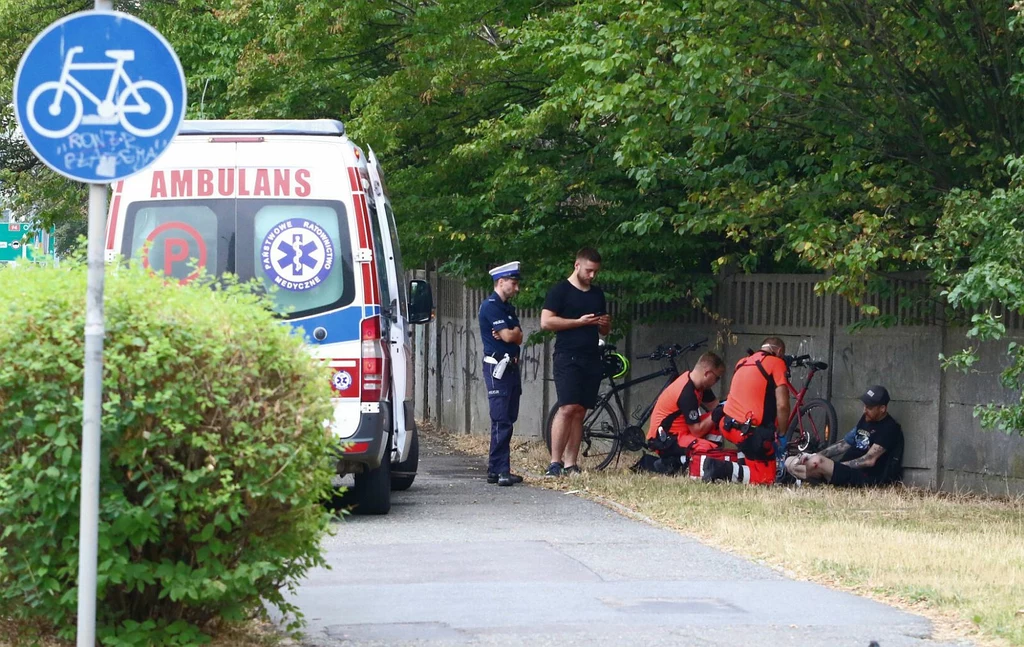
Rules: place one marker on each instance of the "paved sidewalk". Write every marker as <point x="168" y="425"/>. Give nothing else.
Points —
<point x="461" y="562"/>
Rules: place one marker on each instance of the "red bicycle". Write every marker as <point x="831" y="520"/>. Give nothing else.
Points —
<point x="813" y="423"/>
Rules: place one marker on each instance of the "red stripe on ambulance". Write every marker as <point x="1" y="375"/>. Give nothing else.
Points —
<point x="357" y="191"/>
<point x="112" y="221"/>
<point x="370" y="287"/>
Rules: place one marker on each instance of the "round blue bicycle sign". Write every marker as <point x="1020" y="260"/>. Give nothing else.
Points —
<point x="99" y="95"/>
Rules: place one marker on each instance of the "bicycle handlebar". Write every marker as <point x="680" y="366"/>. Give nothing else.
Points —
<point x="671" y="350"/>
<point x="804" y="361"/>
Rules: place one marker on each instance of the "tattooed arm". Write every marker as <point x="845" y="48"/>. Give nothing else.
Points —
<point x="867" y="460"/>
<point x="835" y="450"/>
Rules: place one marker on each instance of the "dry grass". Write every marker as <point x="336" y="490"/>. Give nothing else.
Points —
<point x="957" y="558"/>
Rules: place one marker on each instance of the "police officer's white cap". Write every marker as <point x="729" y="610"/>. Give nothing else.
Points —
<point x="506" y="271"/>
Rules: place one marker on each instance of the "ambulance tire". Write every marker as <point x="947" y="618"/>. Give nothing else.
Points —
<point x="373" y="490"/>
<point x="404" y="473"/>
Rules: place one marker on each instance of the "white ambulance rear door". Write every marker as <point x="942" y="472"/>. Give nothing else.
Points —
<point x="395" y="311"/>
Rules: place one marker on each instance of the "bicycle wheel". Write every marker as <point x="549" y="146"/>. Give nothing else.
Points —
<point x="814" y="429"/>
<point x="546" y="434"/>
<point x="58" y="119"/>
<point x="600" y="444"/>
<point x="150" y="114"/>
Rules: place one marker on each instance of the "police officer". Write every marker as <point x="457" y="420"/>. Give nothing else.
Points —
<point x="502" y="335"/>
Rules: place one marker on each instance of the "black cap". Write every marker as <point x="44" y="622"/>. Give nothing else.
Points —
<point x="875" y="396"/>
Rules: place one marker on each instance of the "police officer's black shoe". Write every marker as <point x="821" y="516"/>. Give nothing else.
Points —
<point x="507" y="478"/>
<point x="492" y="477"/>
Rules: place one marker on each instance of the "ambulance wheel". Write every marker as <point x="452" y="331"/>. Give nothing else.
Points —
<point x="404" y="473"/>
<point x="372" y="491"/>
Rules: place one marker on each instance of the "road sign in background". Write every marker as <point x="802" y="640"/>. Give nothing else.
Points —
<point x="18" y="242"/>
<point x="99" y="95"/>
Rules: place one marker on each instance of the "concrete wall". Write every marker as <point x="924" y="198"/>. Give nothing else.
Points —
<point x="945" y="445"/>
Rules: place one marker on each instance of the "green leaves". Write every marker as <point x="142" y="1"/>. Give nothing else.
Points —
<point x="195" y="466"/>
<point x="978" y="246"/>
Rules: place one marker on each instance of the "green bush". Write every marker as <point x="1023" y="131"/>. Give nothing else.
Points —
<point x="214" y="455"/>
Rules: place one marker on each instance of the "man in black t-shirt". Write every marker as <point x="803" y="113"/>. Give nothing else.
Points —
<point x="870" y="454"/>
<point x="576" y="310"/>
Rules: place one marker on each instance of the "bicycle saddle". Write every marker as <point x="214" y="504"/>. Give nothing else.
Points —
<point x="121" y="54"/>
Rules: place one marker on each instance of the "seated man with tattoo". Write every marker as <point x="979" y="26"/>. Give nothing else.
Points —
<point x="870" y="454"/>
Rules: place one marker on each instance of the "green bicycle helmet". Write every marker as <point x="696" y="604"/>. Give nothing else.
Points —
<point x="615" y="364"/>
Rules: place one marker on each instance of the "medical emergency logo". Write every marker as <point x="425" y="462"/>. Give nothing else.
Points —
<point x="342" y="380"/>
<point x="297" y="254"/>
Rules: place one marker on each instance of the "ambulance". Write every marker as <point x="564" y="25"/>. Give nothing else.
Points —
<point x="296" y="205"/>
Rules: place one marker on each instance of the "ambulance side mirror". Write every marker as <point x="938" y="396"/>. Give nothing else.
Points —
<point x="421" y="302"/>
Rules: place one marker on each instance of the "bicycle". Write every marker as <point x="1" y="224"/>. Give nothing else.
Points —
<point x="107" y="111"/>
<point x="604" y="436"/>
<point x="813" y="425"/>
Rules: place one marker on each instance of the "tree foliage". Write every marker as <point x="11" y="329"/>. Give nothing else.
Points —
<point x="678" y="137"/>
<point x="981" y="240"/>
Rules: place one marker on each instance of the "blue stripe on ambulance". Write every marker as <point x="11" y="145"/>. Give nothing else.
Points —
<point x="341" y="325"/>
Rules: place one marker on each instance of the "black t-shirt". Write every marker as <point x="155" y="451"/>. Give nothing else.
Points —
<point x="569" y="302"/>
<point x="885" y="432"/>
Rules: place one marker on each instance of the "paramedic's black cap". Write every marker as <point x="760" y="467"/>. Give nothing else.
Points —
<point x="875" y="396"/>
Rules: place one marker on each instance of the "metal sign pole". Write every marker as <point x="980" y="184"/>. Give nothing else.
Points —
<point x="92" y="411"/>
<point x="92" y="402"/>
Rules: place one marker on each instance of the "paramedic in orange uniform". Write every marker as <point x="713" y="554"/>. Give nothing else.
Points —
<point x="759" y="392"/>
<point x="678" y="409"/>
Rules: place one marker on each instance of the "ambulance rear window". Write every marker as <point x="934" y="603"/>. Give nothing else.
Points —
<point x="300" y="246"/>
<point x="179" y="237"/>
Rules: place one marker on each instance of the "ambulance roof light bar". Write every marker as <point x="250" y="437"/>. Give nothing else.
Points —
<point x="323" y="127"/>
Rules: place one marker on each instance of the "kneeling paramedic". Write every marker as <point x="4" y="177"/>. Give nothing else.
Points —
<point x="679" y="428"/>
<point x="502" y="335"/>
<point x="758" y="404"/>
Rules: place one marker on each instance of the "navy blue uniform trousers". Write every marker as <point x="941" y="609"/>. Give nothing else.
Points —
<point x="503" y="401"/>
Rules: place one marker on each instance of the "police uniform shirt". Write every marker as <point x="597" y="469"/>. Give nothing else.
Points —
<point x="495" y="315"/>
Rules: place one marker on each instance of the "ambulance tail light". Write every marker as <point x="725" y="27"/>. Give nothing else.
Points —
<point x="371" y="362"/>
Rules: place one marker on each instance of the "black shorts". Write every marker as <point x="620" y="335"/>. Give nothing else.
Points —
<point x="578" y="378"/>
<point x="846" y="476"/>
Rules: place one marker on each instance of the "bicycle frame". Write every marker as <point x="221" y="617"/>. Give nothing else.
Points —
<point x="798" y="396"/>
<point x="671" y="371"/>
<point x="783" y="437"/>
<point x="66" y="79"/>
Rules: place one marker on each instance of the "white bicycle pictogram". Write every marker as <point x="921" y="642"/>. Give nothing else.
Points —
<point x="107" y="111"/>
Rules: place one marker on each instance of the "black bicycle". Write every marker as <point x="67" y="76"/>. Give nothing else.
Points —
<point x="605" y="434"/>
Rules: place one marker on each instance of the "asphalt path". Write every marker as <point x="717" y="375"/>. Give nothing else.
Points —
<point x="461" y="562"/>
